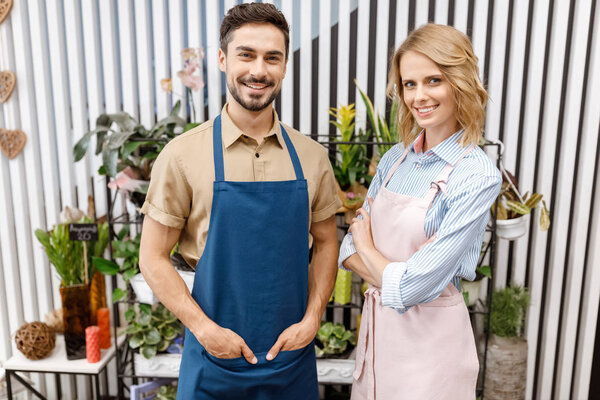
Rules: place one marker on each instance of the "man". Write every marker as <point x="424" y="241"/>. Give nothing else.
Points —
<point x="243" y="196"/>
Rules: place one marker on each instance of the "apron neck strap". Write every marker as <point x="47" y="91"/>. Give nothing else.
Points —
<point x="218" y="152"/>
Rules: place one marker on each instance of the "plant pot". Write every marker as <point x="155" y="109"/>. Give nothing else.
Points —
<point x="474" y="290"/>
<point x="76" y="317"/>
<point x="164" y="365"/>
<point x="511" y="229"/>
<point x="343" y="287"/>
<point x="143" y="292"/>
<point x="97" y="296"/>
<point x="506" y="370"/>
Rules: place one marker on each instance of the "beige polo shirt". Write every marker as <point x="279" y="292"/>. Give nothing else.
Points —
<point x="181" y="187"/>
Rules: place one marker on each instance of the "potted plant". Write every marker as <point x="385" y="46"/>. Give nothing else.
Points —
<point x="67" y="257"/>
<point x="506" y="372"/>
<point x="156" y="335"/>
<point x="129" y="149"/>
<point x="333" y="340"/>
<point x="514" y="209"/>
<point x="472" y="289"/>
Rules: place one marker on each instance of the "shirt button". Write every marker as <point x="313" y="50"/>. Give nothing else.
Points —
<point x="257" y="155"/>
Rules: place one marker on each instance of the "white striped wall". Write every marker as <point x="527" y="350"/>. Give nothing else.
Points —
<point x="540" y="60"/>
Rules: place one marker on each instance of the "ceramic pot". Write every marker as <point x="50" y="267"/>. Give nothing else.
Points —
<point x="511" y="229"/>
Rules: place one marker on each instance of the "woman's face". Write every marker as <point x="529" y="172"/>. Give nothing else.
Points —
<point x="428" y="94"/>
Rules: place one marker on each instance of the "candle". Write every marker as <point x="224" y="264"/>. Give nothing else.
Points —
<point x="92" y="344"/>
<point x="104" y="325"/>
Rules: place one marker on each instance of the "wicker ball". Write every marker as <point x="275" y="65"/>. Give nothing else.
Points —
<point x="35" y="340"/>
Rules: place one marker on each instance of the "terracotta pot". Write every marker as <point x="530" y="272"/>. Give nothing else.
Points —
<point x="76" y="317"/>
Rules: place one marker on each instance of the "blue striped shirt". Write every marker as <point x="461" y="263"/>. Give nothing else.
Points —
<point x="457" y="217"/>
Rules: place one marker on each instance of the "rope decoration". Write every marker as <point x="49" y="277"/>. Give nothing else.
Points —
<point x="35" y="340"/>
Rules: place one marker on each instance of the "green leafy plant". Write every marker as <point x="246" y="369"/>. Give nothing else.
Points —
<point x="334" y="339"/>
<point x="382" y="130"/>
<point x="167" y="392"/>
<point x="512" y="205"/>
<point x="151" y="330"/>
<point x="508" y="311"/>
<point x="124" y="142"/>
<point x="129" y="251"/>
<point x="67" y="255"/>
<point x="351" y="164"/>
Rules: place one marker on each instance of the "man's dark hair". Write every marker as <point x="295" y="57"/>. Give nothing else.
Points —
<point x="253" y="13"/>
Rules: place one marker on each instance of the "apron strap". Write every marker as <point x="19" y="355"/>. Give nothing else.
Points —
<point x="395" y="167"/>
<point x="439" y="183"/>
<point x="218" y="152"/>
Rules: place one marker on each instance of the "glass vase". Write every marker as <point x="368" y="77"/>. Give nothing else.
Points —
<point x="97" y="296"/>
<point x="76" y="317"/>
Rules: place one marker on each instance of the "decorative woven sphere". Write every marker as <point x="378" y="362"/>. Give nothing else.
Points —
<point x="35" y="340"/>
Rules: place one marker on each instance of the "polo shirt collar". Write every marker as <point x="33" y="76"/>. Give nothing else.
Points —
<point x="449" y="150"/>
<point x="231" y="133"/>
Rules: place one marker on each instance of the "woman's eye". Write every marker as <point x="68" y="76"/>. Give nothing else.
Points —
<point x="408" y="84"/>
<point x="435" y="80"/>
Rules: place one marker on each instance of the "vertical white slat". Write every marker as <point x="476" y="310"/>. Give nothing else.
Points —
<point x="195" y="22"/>
<point x="143" y="44"/>
<point x="343" y="53"/>
<point x="47" y="134"/>
<point x="362" y="62"/>
<point x="441" y="12"/>
<point x="5" y="348"/>
<point x="421" y="13"/>
<point x="591" y="292"/>
<point x="381" y="56"/>
<point x="306" y="85"/>
<point x="402" y="7"/>
<point x="161" y="55"/>
<point x="110" y="67"/>
<point x="176" y="35"/>
<point x="513" y="110"/>
<point x="77" y="94"/>
<point x="528" y="171"/>
<point x="461" y="14"/>
<point x="31" y="153"/>
<point x="95" y="99"/>
<point x="564" y="204"/>
<point x="20" y="197"/>
<point x="555" y="267"/>
<point x="129" y="82"/>
<point x="287" y="86"/>
<point x="479" y="36"/>
<point x="60" y="95"/>
<point x="213" y="74"/>
<point x="324" y="65"/>
<point x="495" y="86"/>
<point x="43" y="96"/>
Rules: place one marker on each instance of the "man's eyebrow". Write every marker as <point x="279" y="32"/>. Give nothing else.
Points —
<point x="250" y="49"/>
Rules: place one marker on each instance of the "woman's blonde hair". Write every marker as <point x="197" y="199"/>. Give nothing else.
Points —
<point x="453" y="53"/>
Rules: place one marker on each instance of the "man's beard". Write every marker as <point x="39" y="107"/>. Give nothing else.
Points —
<point x="254" y="104"/>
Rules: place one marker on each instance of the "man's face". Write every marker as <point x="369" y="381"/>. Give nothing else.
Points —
<point x="254" y="65"/>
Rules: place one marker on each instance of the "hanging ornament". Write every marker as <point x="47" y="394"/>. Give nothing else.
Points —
<point x="5" y="6"/>
<point x="12" y="142"/>
<point x="8" y="80"/>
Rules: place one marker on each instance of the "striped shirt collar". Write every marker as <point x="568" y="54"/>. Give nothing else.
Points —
<point x="449" y="150"/>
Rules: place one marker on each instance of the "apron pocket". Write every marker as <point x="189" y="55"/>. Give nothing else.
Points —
<point x="284" y="358"/>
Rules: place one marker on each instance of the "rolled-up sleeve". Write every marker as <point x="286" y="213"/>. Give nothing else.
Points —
<point x="458" y="241"/>
<point x="169" y="195"/>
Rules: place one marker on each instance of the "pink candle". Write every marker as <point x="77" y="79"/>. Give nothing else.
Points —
<point x="92" y="344"/>
<point x="104" y="325"/>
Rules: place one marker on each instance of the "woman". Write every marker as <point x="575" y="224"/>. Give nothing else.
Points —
<point x="423" y="231"/>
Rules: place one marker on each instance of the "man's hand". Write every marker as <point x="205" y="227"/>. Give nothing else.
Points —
<point x="294" y="337"/>
<point x="224" y="343"/>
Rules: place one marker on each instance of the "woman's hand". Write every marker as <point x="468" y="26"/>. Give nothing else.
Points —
<point x="361" y="230"/>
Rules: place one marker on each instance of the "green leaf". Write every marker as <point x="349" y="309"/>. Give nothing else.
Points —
<point x="132" y="146"/>
<point x="130" y="273"/>
<point x="80" y="148"/>
<point x="144" y="319"/>
<point x="109" y="160"/>
<point x="148" y="351"/>
<point x="168" y="333"/>
<point x="485" y="270"/>
<point x="146" y="309"/>
<point x="191" y="125"/>
<point x="152" y="337"/>
<point x="118" y="294"/>
<point x="104" y="266"/>
<point x="136" y="341"/>
<point x="518" y="207"/>
<point x="130" y="315"/>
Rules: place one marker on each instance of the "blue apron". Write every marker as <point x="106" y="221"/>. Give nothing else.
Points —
<point x="253" y="279"/>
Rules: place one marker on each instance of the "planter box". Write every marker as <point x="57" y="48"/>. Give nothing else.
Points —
<point x="162" y="365"/>
<point x="144" y="293"/>
<point x="334" y="371"/>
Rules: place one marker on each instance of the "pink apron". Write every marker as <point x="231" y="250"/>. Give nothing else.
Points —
<point x="429" y="351"/>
